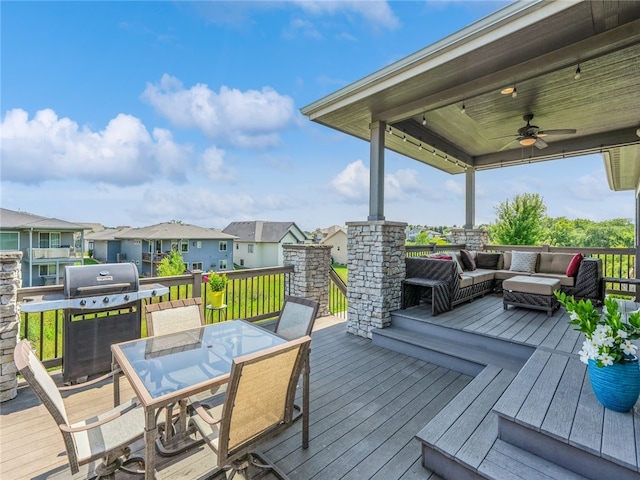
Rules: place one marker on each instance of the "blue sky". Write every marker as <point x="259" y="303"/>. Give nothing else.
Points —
<point x="134" y="113"/>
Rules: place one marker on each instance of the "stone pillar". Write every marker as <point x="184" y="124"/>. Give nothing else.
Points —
<point x="473" y="238"/>
<point x="311" y="265"/>
<point x="10" y="281"/>
<point x="376" y="261"/>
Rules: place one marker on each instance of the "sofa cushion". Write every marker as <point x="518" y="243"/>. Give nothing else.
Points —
<point x="459" y="261"/>
<point x="487" y="260"/>
<point x="523" y="261"/>
<point x="506" y="274"/>
<point x="564" y="280"/>
<point x="533" y="285"/>
<point x="465" y="280"/>
<point x="467" y="260"/>
<point x="574" y="265"/>
<point x="480" y="276"/>
<point x="554" y="262"/>
<point x="506" y="261"/>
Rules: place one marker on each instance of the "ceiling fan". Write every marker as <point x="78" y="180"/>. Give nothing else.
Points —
<point x="531" y="134"/>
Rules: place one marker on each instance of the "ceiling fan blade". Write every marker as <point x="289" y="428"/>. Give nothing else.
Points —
<point x="508" y="145"/>
<point x="540" y="143"/>
<point x="566" y="131"/>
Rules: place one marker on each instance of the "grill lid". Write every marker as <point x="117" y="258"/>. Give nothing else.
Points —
<point x="87" y="280"/>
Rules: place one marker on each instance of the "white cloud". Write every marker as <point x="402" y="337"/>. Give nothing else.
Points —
<point x="213" y="167"/>
<point x="378" y="14"/>
<point x="590" y="187"/>
<point x="352" y="184"/>
<point x="250" y="119"/>
<point x="48" y="147"/>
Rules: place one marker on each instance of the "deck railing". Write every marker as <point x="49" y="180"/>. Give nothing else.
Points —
<point x="337" y="295"/>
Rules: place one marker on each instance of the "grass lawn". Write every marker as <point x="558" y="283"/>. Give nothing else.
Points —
<point x="341" y="270"/>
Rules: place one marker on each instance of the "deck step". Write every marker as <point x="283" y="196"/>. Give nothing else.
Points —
<point x="457" y="439"/>
<point x="505" y="461"/>
<point x="414" y="319"/>
<point x="465" y="358"/>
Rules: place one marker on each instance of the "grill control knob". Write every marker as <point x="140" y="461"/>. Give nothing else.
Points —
<point x="126" y="298"/>
<point x="105" y="300"/>
<point x="83" y="303"/>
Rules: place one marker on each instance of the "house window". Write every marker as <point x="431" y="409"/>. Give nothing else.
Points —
<point x="198" y="244"/>
<point x="250" y="248"/>
<point x="196" y="266"/>
<point x="242" y="262"/>
<point x="223" y="246"/>
<point x="49" y="239"/>
<point x="48" y="270"/>
<point x="184" y="246"/>
<point x="9" y="240"/>
<point x="222" y="265"/>
<point x="174" y="245"/>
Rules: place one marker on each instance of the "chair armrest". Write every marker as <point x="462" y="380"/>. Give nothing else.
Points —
<point x="66" y="428"/>
<point x="202" y="412"/>
<point x="90" y="382"/>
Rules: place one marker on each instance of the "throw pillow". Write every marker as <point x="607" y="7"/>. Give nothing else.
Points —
<point x="487" y="260"/>
<point x="441" y="256"/>
<point x="467" y="260"/>
<point x="523" y="261"/>
<point x="574" y="265"/>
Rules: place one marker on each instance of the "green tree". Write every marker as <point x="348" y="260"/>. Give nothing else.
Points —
<point x="519" y="221"/>
<point x="172" y="264"/>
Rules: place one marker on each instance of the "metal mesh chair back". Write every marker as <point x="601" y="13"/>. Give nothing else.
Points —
<point x="260" y="397"/>
<point x="297" y="317"/>
<point x="174" y="316"/>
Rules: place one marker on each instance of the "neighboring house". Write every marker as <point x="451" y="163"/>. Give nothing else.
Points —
<point x="89" y="229"/>
<point x="336" y="236"/>
<point x="259" y="244"/>
<point x="47" y="245"/>
<point x="104" y="245"/>
<point x="201" y="248"/>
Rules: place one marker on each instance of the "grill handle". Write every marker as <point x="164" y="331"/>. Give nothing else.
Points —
<point x="103" y="288"/>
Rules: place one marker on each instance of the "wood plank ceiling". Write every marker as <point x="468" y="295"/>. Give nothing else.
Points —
<point x="534" y="46"/>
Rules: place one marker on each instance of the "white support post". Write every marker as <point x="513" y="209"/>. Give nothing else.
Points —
<point x="470" y="198"/>
<point x="376" y="171"/>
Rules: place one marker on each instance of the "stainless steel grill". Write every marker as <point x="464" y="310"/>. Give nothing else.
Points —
<point x="102" y="305"/>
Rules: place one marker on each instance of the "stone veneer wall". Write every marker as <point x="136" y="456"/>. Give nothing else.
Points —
<point x="10" y="281"/>
<point x="473" y="238"/>
<point x="311" y="265"/>
<point x="376" y="260"/>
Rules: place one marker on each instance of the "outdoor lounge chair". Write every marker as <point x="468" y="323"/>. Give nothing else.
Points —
<point x="258" y="405"/>
<point x="106" y="436"/>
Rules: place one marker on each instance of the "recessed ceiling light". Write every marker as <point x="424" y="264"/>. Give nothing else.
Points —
<point x="508" y="90"/>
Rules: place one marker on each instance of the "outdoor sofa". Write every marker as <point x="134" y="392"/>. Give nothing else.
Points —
<point x="464" y="275"/>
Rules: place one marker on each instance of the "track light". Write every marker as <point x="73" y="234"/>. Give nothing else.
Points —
<point x="424" y="120"/>
<point x="514" y="94"/>
<point x="463" y="110"/>
<point x="420" y="145"/>
<point x="578" y="72"/>
<point x="404" y="137"/>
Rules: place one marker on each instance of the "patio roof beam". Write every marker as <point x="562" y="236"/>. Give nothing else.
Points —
<point x="571" y="147"/>
<point x="422" y="134"/>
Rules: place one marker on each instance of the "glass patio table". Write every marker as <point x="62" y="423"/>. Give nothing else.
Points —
<point x="168" y="369"/>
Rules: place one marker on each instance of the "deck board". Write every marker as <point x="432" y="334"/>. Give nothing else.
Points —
<point x="366" y="401"/>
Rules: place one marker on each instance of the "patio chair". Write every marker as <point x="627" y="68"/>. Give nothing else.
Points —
<point x="173" y="316"/>
<point x="258" y="405"/>
<point x="165" y="318"/>
<point x="106" y="436"/>
<point x="297" y="317"/>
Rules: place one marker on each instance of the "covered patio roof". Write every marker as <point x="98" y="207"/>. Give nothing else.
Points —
<point x="443" y="105"/>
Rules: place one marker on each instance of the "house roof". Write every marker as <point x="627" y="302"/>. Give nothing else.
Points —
<point x="331" y="230"/>
<point x="535" y="46"/>
<point x="12" y="220"/>
<point x="174" y="231"/>
<point x="333" y="234"/>
<point x="263" y="232"/>
<point x="106" y="234"/>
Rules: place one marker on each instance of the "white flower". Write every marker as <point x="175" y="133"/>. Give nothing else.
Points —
<point x="573" y="315"/>
<point x="622" y="333"/>
<point x="606" y="359"/>
<point x="584" y="356"/>
<point x="628" y="348"/>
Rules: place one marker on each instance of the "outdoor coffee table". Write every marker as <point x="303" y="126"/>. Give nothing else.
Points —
<point x="531" y="292"/>
<point x="168" y="369"/>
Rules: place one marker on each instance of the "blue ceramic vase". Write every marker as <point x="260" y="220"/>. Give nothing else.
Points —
<point x="616" y="386"/>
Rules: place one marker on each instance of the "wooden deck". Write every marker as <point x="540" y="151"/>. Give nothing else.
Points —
<point x="521" y="408"/>
<point x="367" y="403"/>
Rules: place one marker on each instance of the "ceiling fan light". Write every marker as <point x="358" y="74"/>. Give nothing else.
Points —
<point x="507" y="90"/>
<point x="527" y="141"/>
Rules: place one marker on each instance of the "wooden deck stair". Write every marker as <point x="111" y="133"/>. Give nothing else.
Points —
<point x="528" y="413"/>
